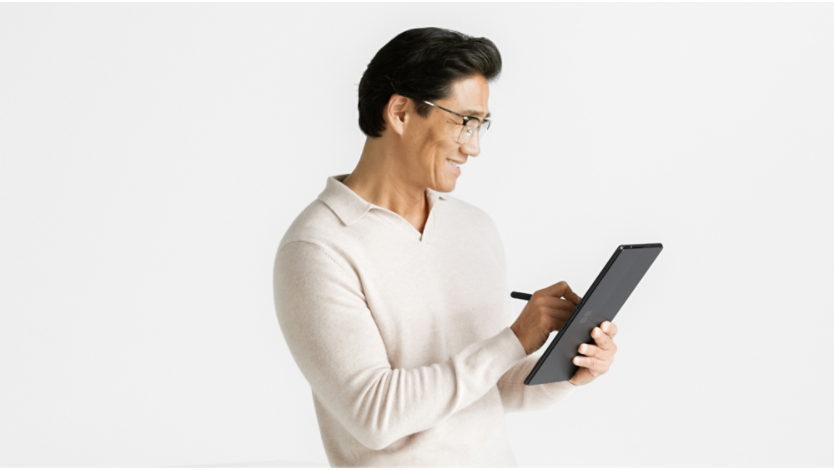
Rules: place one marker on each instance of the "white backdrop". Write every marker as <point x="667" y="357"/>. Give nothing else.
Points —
<point x="153" y="156"/>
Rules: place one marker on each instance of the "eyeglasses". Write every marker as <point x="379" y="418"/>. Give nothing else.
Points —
<point x="470" y="125"/>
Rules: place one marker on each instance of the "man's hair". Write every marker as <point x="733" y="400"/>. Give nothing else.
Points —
<point x="421" y="64"/>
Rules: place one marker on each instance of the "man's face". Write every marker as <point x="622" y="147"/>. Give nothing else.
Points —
<point x="434" y="139"/>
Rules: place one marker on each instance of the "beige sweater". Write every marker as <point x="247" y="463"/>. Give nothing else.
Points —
<point x="404" y="337"/>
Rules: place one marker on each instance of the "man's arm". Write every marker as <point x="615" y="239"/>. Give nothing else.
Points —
<point x="519" y="397"/>
<point x="514" y="394"/>
<point x="335" y="342"/>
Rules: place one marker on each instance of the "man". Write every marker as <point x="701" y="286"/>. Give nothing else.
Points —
<point x="392" y="295"/>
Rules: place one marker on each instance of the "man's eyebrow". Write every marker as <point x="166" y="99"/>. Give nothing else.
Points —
<point x="473" y="112"/>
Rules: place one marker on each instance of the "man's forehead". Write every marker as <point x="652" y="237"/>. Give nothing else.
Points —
<point x="469" y="97"/>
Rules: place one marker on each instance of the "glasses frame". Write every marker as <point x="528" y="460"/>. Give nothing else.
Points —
<point x="466" y="120"/>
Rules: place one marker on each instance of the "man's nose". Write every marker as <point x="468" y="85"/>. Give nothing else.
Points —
<point x="473" y="147"/>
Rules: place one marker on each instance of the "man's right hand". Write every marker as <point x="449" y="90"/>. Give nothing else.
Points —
<point x="547" y="310"/>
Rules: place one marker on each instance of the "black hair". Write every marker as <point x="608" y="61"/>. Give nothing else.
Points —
<point x="421" y="64"/>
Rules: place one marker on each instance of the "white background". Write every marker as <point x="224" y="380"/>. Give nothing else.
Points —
<point x="153" y="156"/>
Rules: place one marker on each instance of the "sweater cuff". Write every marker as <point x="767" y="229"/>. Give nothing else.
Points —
<point x="513" y="346"/>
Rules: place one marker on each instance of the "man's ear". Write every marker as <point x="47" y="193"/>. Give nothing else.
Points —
<point x="396" y="113"/>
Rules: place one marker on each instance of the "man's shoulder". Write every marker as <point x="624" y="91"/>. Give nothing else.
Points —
<point x="315" y="224"/>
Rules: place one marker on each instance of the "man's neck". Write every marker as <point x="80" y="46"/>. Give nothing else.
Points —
<point x="376" y="182"/>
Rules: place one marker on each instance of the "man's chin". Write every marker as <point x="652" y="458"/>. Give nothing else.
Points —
<point x="447" y="187"/>
<point x="444" y="185"/>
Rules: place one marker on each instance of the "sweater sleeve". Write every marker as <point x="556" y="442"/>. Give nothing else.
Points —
<point x="336" y="344"/>
<point x="519" y="397"/>
<point x="514" y="394"/>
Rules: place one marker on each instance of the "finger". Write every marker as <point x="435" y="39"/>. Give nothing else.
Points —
<point x="553" y="307"/>
<point x="609" y="328"/>
<point x="557" y="318"/>
<point x="562" y="289"/>
<point x="595" y="351"/>
<point x="558" y="304"/>
<point x="595" y="365"/>
<point x="603" y="340"/>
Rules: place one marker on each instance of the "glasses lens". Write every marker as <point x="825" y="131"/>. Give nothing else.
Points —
<point x="471" y="129"/>
<point x="483" y="130"/>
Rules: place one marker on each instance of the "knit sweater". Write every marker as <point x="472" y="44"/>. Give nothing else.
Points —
<point x="404" y="336"/>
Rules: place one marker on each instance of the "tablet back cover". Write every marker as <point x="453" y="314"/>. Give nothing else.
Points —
<point x="604" y="299"/>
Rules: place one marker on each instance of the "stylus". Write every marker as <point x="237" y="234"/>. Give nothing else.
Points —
<point x="520" y="295"/>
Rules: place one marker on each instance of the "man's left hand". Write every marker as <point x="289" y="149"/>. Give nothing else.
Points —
<point x="597" y="359"/>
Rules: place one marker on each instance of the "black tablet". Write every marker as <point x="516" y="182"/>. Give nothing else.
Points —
<point x="603" y="300"/>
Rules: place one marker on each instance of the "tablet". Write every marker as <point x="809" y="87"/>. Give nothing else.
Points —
<point x="603" y="300"/>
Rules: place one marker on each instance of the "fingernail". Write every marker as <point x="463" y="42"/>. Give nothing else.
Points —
<point x="605" y="327"/>
<point x="582" y="348"/>
<point x="576" y="360"/>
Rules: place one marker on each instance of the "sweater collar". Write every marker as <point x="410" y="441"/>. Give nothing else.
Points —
<point x="349" y="206"/>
